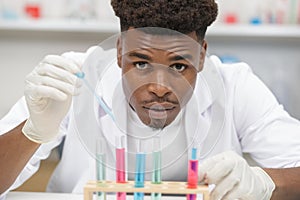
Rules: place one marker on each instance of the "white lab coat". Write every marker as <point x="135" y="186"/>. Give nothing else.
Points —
<point x="254" y="123"/>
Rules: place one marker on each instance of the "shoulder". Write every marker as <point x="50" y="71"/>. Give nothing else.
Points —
<point x="242" y="88"/>
<point x="231" y="72"/>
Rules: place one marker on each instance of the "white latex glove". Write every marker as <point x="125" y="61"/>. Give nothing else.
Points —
<point x="235" y="179"/>
<point x="48" y="92"/>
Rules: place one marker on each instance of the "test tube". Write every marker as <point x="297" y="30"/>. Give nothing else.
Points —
<point x="140" y="163"/>
<point x="120" y="164"/>
<point x="192" y="173"/>
<point x="99" y="98"/>
<point x="156" y="174"/>
<point x="100" y="165"/>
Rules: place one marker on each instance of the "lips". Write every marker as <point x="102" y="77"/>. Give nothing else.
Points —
<point x="159" y="110"/>
<point x="160" y="106"/>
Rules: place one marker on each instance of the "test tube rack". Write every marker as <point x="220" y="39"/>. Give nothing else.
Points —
<point x="164" y="188"/>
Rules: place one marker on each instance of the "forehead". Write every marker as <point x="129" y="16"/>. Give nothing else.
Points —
<point x="136" y="39"/>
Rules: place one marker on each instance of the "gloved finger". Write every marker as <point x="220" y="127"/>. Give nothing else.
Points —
<point x="216" y="168"/>
<point x="64" y="87"/>
<point x="220" y="170"/>
<point x="225" y="186"/>
<point x="235" y="193"/>
<point x="62" y="63"/>
<point x="38" y="92"/>
<point x="79" y="57"/>
<point x="46" y="69"/>
<point x="201" y="177"/>
<point x="210" y="162"/>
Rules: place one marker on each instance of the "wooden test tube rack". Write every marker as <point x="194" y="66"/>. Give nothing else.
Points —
<point x="164" y="188"/>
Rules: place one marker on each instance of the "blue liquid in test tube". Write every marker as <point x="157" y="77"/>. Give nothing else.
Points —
<point x="139" y="175"/>
<point x="140" y="163"/>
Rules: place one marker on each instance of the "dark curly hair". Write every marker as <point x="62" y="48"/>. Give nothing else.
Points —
<point x="184" y="16"/>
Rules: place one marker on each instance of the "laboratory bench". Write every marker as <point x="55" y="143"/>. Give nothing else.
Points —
<point x="65" y="196"/>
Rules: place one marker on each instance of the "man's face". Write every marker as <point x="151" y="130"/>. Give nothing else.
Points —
<point x="159" y="73"/>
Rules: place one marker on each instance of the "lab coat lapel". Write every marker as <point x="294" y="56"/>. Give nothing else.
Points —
<point x="205" y="124"/>
<point x="197" y="120"/>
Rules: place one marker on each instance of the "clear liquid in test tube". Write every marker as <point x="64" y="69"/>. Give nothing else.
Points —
<point x="156" y="174"/>
<point x="100" y="165"/>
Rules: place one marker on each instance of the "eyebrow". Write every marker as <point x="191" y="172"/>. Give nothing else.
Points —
<point x="181" y="57"/>
<point x="139" y="55"/>
<point x="173" y="58"/>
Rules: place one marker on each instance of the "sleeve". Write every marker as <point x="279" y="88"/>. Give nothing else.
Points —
<point x="265" y="130"/>
<point x="17" y="114"/>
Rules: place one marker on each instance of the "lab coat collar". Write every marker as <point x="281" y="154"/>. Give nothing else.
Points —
<point x="206" y="97"/>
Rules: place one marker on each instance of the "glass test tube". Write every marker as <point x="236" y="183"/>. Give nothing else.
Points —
<point x="99" y="98"/>
<point x="193" y="173"/>
<point x="140" y="163"/>
<point x="100" y="165"/>
<point x="156" y="174"/>
<point x="120" y="164"/>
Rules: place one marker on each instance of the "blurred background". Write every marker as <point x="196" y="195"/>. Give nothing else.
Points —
<point x="263" y="33"/>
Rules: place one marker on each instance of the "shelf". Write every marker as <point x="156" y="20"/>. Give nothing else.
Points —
<point x="111" y="26"/>
<point x="88" y="26"/>
<point x="273" y="31"/>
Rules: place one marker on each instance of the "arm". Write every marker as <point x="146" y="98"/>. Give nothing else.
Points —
<point x="268" y="134"/>
<point x="15" y="152"/>
<point x="48" y="93"/>
<point x="287" y="183"/>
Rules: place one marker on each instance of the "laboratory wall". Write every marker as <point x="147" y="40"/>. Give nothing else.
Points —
<point x="21" y="51"/>
<point x="29" y="30"/>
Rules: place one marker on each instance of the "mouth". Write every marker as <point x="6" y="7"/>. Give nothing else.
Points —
<point x="159" y="110"/>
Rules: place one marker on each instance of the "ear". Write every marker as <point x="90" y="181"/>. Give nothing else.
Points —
<point x="119" y="51"/>
<point x="202" y="55"/>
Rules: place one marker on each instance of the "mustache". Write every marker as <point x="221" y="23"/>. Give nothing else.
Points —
<point x="161" y="100"/>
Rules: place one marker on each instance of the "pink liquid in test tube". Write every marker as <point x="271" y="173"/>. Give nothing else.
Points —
<point x="120" y="165"/>
<point x="120" y="168"/>
<point x="193" y="174"/>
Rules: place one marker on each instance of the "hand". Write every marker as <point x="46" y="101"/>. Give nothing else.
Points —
<point x="235" y="179"/>
<point x="48" y="92"/>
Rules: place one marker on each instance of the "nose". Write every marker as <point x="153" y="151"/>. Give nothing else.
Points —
<point x="159" y="84"/>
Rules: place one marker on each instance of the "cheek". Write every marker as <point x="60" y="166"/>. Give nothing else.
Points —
<point x="135" y="97"/>
<point x="128" y="82"/>
<point x="133" y="93"/>
<point x="185" y="88"/>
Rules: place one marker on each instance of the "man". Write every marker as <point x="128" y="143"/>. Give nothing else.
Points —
<point x="160" y="72"/>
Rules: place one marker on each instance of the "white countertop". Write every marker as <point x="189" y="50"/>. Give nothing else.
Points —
<point x="42" y="196"/>
<point x="64" y="196"/>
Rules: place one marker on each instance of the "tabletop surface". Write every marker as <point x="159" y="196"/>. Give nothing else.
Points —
<point x="64" y="196"/>
<point x="42" y="196"/>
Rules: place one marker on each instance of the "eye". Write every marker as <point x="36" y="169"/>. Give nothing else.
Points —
<point x="141" y="65"/>
<point x="179" y="67"/>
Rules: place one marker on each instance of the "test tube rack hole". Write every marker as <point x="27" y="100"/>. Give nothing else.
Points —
<point x="164" y="188"/>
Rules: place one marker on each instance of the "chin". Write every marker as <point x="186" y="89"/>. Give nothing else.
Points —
<point x="158" y="123"/>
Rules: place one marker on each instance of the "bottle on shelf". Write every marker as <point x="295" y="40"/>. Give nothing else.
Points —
<point x="33" y="9"/>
